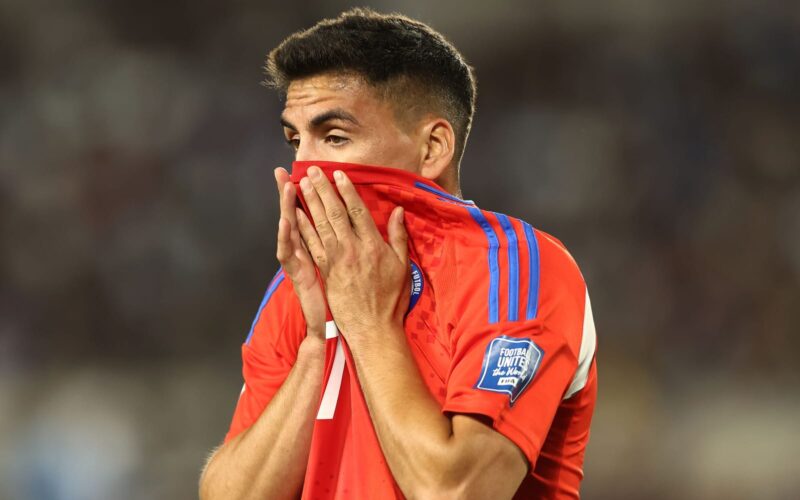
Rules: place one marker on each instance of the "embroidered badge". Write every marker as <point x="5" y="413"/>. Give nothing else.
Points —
<point x="509" y="365"/>
<point x="416" y="285"/>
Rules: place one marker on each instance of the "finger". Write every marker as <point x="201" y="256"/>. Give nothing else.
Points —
<point x="289" y="203"/>
<point x="312" y="241"/>
<point x="285" y="250"/>
<point x="334" y="208"/>
<point x="322" y="225"/>
<point x="294" y="257"/>
<point x="281" y="178"/>
<point x="363" y="224"/>
<point x="398" y="237"/>
<point x="298" y="244"/>
<point x="287" y="194"/>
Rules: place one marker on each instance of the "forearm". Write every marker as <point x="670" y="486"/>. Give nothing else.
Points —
<point x="413" y="433"/>
<point x="268" y="460"/>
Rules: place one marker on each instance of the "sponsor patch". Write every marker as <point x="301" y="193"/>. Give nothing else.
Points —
<point x="416" y="285"/>
<point x="509" y="365"/>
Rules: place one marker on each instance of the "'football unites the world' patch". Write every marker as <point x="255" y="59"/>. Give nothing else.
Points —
<point x="509" y="365"/>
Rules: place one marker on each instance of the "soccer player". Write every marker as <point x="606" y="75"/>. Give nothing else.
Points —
<point x="412" y="345"/>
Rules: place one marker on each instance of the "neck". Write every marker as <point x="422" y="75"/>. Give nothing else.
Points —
<point x="449" y="182"/>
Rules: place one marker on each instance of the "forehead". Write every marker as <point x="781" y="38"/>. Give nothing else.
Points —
<point x="307" y="97"/>
<point x="324" y="88"/>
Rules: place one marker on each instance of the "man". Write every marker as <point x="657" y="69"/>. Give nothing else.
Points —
<point x="477" y="380"/>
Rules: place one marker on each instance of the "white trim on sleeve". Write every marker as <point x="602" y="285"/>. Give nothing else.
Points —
<point x="586" y="354"/>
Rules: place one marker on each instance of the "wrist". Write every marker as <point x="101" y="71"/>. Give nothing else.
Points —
<point x="369" y="335"/>
<point x="312" y="345"/>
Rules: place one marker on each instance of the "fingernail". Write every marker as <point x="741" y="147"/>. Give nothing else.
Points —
<point x="400" y="214"/>
<point x="305" y="184"/>
<point x="338" y="176"/>
<point x="314" y="172"/>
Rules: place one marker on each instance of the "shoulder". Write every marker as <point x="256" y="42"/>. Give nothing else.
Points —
<point x="513" y="268"/>
<point x="555" y="261"/>
<point x="485" y="233"/>
<point x="277" y="324"/>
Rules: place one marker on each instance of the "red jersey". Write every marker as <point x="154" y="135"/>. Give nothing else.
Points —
<point x="499" y="324"/>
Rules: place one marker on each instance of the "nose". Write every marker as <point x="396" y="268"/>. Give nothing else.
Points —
<point x="306" y="151"/>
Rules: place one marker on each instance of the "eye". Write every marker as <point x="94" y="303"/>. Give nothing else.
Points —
<point x="335" y="140"/>
<point x="293" y="143"/>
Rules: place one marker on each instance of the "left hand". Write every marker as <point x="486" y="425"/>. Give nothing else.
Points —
<point x="365" y="278"/>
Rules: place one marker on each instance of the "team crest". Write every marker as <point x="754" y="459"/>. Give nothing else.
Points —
<point x="509" y="365"/>
<point x="416" y="285"/>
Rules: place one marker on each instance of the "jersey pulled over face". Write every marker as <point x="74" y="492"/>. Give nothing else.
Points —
<point x="499" y="324"/>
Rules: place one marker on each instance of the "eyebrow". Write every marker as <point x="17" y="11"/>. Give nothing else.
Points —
<point x="333" y="114"/>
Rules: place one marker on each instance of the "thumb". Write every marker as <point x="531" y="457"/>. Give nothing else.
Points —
<point x="398" y="237"/>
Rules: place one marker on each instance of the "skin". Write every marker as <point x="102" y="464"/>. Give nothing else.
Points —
<point x="338" y="117"/>
<point x="374" y="132"/>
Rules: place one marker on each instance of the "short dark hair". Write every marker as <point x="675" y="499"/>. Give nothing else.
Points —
<point x="412" y="64"/>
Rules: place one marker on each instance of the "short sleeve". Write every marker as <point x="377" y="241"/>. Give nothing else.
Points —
<point x="513" y="332"/>
<point x="269" y="352"/>
<point x="486" y="365"/>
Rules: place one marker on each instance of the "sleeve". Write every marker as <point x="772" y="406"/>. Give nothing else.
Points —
<point x="269" y="351"/>
<point x="512" y="340"/>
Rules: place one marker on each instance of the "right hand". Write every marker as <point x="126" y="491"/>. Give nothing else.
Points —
<point x="296" y="261"/>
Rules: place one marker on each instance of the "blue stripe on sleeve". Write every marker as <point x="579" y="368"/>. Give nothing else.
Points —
<point x="494" y="269"/>
<point x="270" y="290"/>
<point x="513" y="266"/>
<point x="533" y="272"/>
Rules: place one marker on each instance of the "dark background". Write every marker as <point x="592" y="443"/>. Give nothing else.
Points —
<point x="660" y="141"/>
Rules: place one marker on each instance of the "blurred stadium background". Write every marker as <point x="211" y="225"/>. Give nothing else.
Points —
<point x="659" y="140"/>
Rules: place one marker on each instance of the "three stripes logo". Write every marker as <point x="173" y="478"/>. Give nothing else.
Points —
<point x="514" y="243"/>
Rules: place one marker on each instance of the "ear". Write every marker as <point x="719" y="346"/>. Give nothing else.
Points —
<point x="439" y="142"/>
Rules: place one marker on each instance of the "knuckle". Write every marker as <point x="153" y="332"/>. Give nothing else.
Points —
<point x="314" y="243"/>
<point x="356" y="212"/>
<point x="282" y="254"/>
<point x="336" y="214"/>
<point x="320" y="259"/>
<point x="321" y="225"/>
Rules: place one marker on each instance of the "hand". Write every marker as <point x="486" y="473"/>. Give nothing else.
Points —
<point x="366" y="279"/>
<point x="296" y="261"/>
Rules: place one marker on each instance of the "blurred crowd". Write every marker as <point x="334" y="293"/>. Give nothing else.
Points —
<point x="660" y="141"/>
